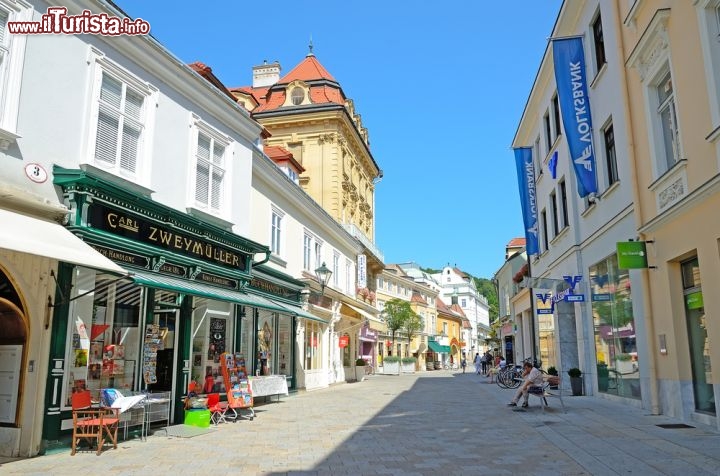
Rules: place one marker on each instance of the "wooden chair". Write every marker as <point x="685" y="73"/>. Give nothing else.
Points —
<point x="93" y="425"/>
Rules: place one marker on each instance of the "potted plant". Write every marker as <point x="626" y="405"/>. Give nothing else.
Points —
<point x="603" y="376"/>
<point x="624" y="364"/>
<point x="408" y="364"/>
<point x="576" y="382"/>
<point x="360" y="364"/>
<point x="552" y="371"/>
<point x="391" y="365"/>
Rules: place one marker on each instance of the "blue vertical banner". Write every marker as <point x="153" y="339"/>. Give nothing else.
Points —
<point x="528" y="201"/>
<point x="571" y="80"/>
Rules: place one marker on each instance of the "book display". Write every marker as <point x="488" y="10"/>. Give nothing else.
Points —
<point x="239" y="391"/>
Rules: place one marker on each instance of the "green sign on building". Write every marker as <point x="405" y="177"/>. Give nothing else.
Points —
<point x="631" y="255"/>
<point x="694" y="300"/>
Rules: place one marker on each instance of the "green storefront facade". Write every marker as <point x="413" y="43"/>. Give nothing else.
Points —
<point x="193" y="291"/>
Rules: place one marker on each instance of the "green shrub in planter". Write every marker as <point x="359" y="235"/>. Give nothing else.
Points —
<point x="552" y="371"/>
<point x="624" y="357"/>
<point x="360" y="362"/>
<point x="391" y="359"/>
<point x="574" y="372"/>
<point x="408" y="360"/>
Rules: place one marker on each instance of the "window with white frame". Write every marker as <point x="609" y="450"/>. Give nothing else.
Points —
<point x="210" y="170"/>
<point x="564" y="203"/>
<point x="548" y="132"/>
<point x="709" y="15"/>
<point x="554" y="207"/>
<point x="318" y="253"/>
<point x="12" y="53"/>
<point x="348" y="276"/>
<point x="381" y="283"/>
<point x="276" y="231"/>
<point x="463" y="302"/>
<point x="610" y="158"/>
<point x="556" y="116"/>
<point x="336" y="269"/>
<point x="667" y="118"/>
<point x="307" y="252"/>
<point x="120" y="125"/>
<point x="598" y="43"/>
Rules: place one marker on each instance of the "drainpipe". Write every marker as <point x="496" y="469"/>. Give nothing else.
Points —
<point x="267" y="258"/>
<point x="655" y="407"/>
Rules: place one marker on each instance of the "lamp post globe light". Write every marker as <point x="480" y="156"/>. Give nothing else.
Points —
<point x="323" y="274"/>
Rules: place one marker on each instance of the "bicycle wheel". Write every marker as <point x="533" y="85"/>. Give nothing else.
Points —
<point x="500" y="380"/>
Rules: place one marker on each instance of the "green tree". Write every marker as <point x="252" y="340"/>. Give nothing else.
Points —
<point x="413" y="325"/>
<point x="396" y="314"/>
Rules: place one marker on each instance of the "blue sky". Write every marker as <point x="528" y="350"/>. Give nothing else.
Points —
<point x="440" y="86"/>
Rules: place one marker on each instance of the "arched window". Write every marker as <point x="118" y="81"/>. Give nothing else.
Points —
<point x="297" y="95"/>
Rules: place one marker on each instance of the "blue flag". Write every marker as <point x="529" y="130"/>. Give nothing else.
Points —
<point x="571" y="80"/>
<point x="526" y="186"/>
<point x="552" y="165"/>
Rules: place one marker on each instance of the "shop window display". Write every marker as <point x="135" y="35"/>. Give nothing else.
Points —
<point x="615" y="340"/>
<point x="212" y="335"/>
<point x="313" y="345"/>
<point x="104" y="334"/>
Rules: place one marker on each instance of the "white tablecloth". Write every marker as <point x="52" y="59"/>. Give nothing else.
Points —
<point x="269" y="385"/>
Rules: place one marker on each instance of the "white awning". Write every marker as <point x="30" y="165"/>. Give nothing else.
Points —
<point x="374" y="322"/>
<point x="39" y="237"/>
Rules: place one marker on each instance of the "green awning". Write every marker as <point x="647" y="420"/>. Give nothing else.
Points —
<point x="300" y="312"/>
<point x="437" y="348"/>
<point x="184" y="286"/>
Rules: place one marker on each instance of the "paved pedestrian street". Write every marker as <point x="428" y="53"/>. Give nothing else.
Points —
<point x="437" y="422"/>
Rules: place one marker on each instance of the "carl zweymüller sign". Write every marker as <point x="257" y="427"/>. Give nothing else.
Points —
<point x="631" y="255"/>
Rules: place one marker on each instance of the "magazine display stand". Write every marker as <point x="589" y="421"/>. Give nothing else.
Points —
<point x="239" y="392"/>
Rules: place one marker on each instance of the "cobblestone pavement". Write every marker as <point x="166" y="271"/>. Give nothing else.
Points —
<point x="430" y="423"/>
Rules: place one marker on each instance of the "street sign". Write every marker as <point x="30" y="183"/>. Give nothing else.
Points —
<point x="631" y="255"/>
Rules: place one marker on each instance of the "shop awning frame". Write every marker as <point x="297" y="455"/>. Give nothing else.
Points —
<point x="300" y="312"/>
<point x="35" y="236"/>
<point x="438" y="348"/>
<point x="373" y="322"/>
<point x="170" y="283"/>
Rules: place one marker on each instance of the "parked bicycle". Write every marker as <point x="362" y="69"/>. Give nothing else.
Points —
<point x="451" y="366"/>
<point x="512" y="375"/>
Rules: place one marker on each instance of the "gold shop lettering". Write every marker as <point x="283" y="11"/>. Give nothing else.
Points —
<point x="119" y="221"/>
<point x="190" y="245"/>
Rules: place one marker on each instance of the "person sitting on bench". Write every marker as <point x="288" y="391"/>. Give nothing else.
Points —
<point x="532" y="381"/>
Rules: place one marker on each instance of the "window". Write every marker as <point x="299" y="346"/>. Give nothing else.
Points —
<point x="12" y="52"/>
<point x="348" y="276"/>
<point x="563" y="200"/>
<point x="120" y="126"/>
<point x="548" y="132"/>
<point x="553" y="205"/>
<point x="698" y="342"/>
<point x="336" y="269"/>
<point x="276" y="232"/>
<point x="537" y="161"/>
<point x="463" y="302"/>
<point x="598" y="43"/>
<point x="610" y="159"/>
<point x="543" y="218"/>
<point x="381" y="283"/>
<point x="307" y="251"/>
<point x="318" y="254"/>
<point x="556" y="115"/>
<point x="209" y="172"/>
<point x="313" y="345"/>
<point x="668" y="122"/>
<point x="297" y="95"/>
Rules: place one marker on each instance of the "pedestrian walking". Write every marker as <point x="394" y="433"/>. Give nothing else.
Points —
<point x="463" y="364"/>
<point x="478" y="362"/>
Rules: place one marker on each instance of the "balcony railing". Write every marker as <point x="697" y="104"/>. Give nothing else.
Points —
<point x="357" y="233"/>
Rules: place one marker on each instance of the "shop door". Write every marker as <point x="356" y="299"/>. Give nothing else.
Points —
<point x="166" y="319"/>
<point x="12" y="340"/>
<point x="509" y="354"/>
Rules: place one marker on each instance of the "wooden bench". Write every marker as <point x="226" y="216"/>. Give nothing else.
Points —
<point x="545" y="391"/>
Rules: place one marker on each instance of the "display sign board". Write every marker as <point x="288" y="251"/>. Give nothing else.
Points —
<point x="631" y="255"/>
<point x="362" y="271"/>
<point x="344" y="341"/>
<point x="694" y="300"/>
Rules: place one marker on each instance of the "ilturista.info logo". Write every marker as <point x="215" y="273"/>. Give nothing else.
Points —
<point x="57" y="22"/>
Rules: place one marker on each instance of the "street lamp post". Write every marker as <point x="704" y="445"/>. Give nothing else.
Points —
<point x="323" y="274"/>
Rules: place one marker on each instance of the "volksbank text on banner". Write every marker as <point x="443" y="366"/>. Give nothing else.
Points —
<point x="571" y="80"/>
<point x="526" y="187"/>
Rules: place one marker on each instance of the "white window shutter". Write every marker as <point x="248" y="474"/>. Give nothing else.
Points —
<point x="107" y="137"/>
<point x="130" y="148"/>
<point x="202" y="182"/>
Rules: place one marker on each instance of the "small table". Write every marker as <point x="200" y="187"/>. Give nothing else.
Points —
<point x="269" y="385"/>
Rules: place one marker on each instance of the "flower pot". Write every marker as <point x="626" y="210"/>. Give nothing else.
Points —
<point x="359" y="374"/>
<point x="392" y="368"/>
<point x="408" y="368"/>
<point x="603" y="375"/>
<point x="576" y="384"/>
